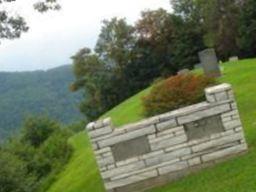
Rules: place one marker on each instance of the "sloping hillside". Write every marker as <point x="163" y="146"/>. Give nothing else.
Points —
<point x="38" y="92"/>
<point x="81" y="174"/>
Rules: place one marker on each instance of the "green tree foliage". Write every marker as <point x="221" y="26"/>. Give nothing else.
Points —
<point x="165" y="44"/>
<point x="36" y="156"/>
<point x="49" y="142"/>
<point x="218" y="19"/>
<point x="56" y="148"/>
<point x="151" y="55"/>
<point x="247" y="29"/>
<point x="156" y="33"/>
<point x="36" y="130"/>
<point x="52" y="155"/>
<point x="12" y="26"/>
<point x="221" y="24"/>
<point x="32" y="160"/>
<point x="77" y="127"/>
<point x="128" y="58"/>
<point x="187" y="43"/>
<point x="101" y="74"/>
<point x="13" y="174"/>
<point x="115" y="44"/>
<point x="92" y="77"/>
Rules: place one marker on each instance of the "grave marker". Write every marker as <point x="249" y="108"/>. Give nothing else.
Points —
<point x="233" y="58"/>
<point x="210" y="63"/>
<point x="183" y="72"/>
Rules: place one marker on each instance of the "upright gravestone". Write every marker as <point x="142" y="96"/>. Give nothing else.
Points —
<point x="233" y="58"/>
<point x="209" y="62"/>
<point x="183" y="72"/>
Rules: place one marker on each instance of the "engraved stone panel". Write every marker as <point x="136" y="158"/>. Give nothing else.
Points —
<point x="132" y="148"/>
<point x="204" y="127"/>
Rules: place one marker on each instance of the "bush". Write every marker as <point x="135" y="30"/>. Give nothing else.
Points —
<point x="175" y="92"/>
<point x="13" y="174"/>
<point x="32" y="160"/>
<point x="36" y="130"/>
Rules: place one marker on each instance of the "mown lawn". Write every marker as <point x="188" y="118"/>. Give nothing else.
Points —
<point x="239" y="174"/>
<point x="129" y="111"/>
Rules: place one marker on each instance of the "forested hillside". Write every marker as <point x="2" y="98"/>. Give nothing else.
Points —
<point x="38" y="92"/>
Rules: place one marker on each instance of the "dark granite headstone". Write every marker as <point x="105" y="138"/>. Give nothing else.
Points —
<point x="209" y="62"/>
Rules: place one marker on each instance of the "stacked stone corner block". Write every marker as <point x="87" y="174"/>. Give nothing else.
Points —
<point x="163" y="148"/>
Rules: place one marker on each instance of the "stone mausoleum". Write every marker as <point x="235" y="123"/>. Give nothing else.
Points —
<point x="163" y="148"/>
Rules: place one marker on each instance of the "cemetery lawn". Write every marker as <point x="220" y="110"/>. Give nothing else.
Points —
<point x="236" y="175"/>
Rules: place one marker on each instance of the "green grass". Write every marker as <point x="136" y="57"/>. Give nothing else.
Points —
<point x="238" y="174"/>
<point x="80" y="175"/>
<point x="129" y="111"/>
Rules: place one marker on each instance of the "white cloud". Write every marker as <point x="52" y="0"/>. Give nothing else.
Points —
<point x="53" y="37"/>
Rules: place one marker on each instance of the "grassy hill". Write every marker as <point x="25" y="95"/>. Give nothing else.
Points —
<point x="37" y="92"/>
<point x="239" y="174"/>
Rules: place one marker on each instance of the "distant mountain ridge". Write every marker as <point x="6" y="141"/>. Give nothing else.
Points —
<point x="37" y="92"/>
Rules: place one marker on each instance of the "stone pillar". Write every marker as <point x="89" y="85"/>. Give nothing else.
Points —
<point x="104" y="156"/>
<point x="209" y="62"/>
<point x="231" y="119"/>
<point x="219" y="93"/>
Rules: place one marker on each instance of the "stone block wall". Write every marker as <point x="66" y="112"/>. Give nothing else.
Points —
<point x="166" y="147"/>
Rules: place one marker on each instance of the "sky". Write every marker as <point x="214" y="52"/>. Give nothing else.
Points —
<point x="55" y="36"/>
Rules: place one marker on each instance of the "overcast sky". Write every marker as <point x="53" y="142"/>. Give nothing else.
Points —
<point x="55" y="36"/>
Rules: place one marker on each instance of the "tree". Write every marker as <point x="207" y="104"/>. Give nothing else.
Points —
<point x="218" y="20"/>
<point x="128" y="58"/>
<point x="12" y="27"/>
<point x="13" y="174"/>
<point x="51" y="155"/>
<point x="188" y="41"/>
<point x="247" y="29"/>
<point x="101" y="74"/>
<point x="30" y="161"/>
<point x="221" y="24"/>
<point x="188" y="10"/>
<point x="36" y="130"/>
<point x="115" y="44"/>
<point x="155" y="31"/>
<point x="91" y="77"/>
<point x="165" y="44"/>
<point x="57" y="149"/>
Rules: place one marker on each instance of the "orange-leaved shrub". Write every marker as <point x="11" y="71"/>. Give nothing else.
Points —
<point x="175" y="92"/>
